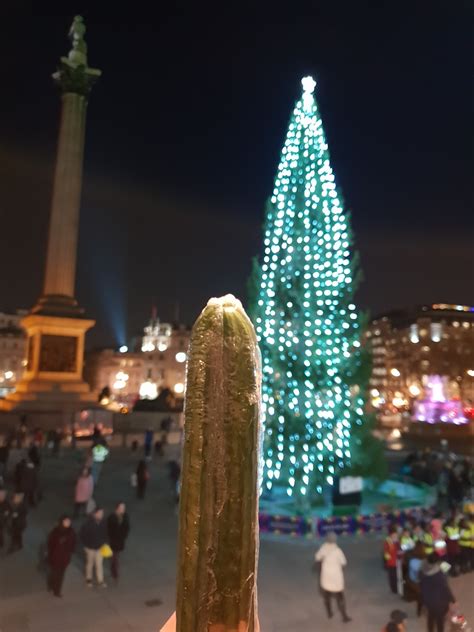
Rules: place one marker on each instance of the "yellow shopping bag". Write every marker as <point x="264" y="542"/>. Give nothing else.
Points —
<point x="106" y="551"/>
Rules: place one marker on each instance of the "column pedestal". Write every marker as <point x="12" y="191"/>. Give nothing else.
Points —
<point x="53" y="376"/>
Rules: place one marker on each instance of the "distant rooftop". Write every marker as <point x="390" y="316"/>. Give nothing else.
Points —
<point x="437" y="311"/>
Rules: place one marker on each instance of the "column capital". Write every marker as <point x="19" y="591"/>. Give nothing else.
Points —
<point x="73" y="74"/>
<point x="75" y="79"/>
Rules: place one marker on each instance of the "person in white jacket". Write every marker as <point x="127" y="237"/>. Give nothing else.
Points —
<point x="332" y="561"/>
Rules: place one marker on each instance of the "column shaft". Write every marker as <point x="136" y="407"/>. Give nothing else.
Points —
<point x="64" y="221"/>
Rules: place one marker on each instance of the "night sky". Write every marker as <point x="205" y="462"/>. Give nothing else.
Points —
<point x="184" y="132"/>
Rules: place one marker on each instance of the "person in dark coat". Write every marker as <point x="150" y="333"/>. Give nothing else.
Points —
<point x="4" y="454"/>
<point x="17" y="474"/>
<point x="29" y="482"/>
<point x="436" y="594"/>
<point x="17" y="522"/>
<point x="148" y="442"/>
<point x="94" y="536"/>
<point x="142" y="478"/>
<point x="61" y="545"/>
<point x="174" y="470"/>
<point x="118" y="528"/>
<point x="4" y="515"/>
<point x="34" y="455"/>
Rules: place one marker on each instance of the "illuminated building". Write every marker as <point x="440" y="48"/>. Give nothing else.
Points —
<point x="416" y="347"/>
<point x="143" y="372"/>
<point x="156" y="335"/>
<point x="12" y="350"/>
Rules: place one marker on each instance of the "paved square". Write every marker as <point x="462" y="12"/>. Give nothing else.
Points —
<point x="144" y="597"/>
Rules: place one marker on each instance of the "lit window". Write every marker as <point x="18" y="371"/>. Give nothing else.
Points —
<point x="436" y="332"/>
<point x="414" y="333"/>
<point x="148" y="390"/>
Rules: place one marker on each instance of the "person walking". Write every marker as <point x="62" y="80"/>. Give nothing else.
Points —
<point x="34" y="455"/>
<point x="57" y="438"/>
<point x="148" y="442"/>
<point x="99" y="454"/>
<point x="83" y="491"/>
<point x="332" y="561"/>
<point x="28" y="482"/>
<point x="4" y="515"/>
<point x="415" y="563"/>
<point x="93" y="536"/>
<point x="61" y="545"/>
<point x="17" y="522"/>
<point x="142" y="478"/>
<point x="118" y="528"/>
<point x="390" y="554"/>
<point x="4" y="454"/>
<point x="436" y="594"/>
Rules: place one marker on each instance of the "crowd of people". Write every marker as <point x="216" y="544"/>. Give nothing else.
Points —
<point x="453" y="476"/>
<point x="101" y="537"/>
<point x="420" y="556"/>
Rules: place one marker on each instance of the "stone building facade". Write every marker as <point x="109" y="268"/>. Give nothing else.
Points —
<point x="141" y="374"/>
<point x="410" y="345"/>
<point x="12" y="350"/>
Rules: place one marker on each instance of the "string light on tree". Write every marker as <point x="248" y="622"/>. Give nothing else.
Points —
<point x="306" y="321"/>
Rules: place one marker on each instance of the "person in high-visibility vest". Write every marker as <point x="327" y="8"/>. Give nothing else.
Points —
<point x="99" y="454"/>
<point x="390" y="554"/>
<point x="453" y="534"/>
<point x="471" y="528"/>
<point x="428" y="540"/>
<point x="418" y="533"/>
<point x="465" y="545"/>
<point x="407" y="543"/>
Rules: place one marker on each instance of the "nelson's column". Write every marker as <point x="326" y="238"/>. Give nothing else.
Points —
<point x="56" y="325"/>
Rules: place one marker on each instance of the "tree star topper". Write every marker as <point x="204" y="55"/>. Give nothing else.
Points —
<point x="309" y="84"/>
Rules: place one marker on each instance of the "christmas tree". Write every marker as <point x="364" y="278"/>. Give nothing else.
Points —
<point x="307" y="324"/>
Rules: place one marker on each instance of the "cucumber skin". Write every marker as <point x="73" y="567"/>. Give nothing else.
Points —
<point x="218" y="537"/>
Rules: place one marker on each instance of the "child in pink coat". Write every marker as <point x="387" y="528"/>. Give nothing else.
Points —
<point x="83" y="493"/>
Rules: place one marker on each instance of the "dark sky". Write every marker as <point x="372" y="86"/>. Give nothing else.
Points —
<point x="184" y="132"/>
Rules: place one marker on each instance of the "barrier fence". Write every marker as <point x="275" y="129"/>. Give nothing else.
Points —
<point x="299" y="526"/>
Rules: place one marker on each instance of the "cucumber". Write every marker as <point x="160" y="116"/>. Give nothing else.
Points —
<point x="218" y="532"/>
